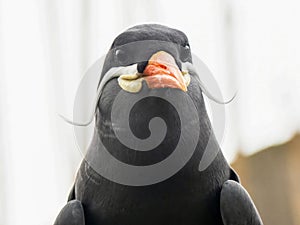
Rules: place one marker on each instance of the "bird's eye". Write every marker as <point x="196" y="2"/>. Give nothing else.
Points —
<point x="121" y="57"/>
<point x="185" y="53"/>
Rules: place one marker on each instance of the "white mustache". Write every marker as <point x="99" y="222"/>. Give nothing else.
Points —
<point x="110" y="74"/>
<point x="192" y="70"/>
<point x="132" y="69"/>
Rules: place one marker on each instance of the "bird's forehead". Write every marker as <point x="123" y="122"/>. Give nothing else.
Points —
<point x="150" y="32"/>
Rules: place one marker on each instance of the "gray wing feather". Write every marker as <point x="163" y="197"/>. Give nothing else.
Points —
<point x="236" y="205"/>
<point x="71" y="214"/>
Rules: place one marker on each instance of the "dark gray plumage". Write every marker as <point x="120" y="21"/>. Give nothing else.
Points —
<point x="71" y="214"/>
<point x="236" y="205"/>
<point x="189" y="197"/>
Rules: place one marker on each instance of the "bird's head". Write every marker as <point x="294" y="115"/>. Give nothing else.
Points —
<point x="151" y="53"/>
<point x="149" y="56"/>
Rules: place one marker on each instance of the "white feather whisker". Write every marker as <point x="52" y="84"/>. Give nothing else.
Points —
<point x="110" y="74"/>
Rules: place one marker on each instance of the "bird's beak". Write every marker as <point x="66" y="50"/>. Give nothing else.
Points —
<point x="160" y="72"/>
<point x="163" y="72"/>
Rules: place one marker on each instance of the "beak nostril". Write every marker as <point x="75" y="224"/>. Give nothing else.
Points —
<point x="141" y="66"/>
<point x="163" y="66"/>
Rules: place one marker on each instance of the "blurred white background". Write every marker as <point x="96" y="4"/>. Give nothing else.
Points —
<point x="46" y="46"/>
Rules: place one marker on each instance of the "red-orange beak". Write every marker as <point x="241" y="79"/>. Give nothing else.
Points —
<point x="163" y="72"/>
